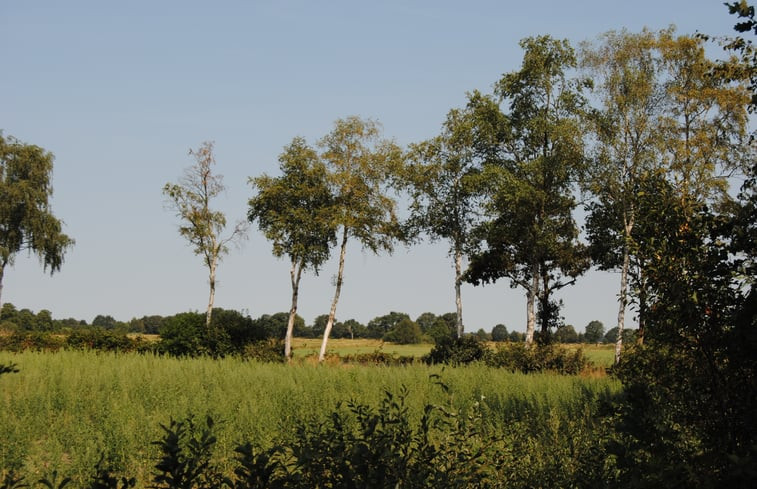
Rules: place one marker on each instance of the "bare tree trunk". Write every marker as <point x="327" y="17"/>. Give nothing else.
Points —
<point x="332" y="312"/>
<point x="295" y="274"/>
<point x="211" y="299"/>
<point x="2" y="274"/>
<point x="623" y="300"/>
<point x="530" y="302"/>
<point x="458" y="296"/>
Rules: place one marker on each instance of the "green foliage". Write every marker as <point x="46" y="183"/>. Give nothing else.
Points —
<point x="594" y="332"/>
<point x="534" y="154"/>
<point x="404" y="332"/>
<point x="378" y="327"/>
<point x="103" y="340"/>
<point x="565" y="334"/>
<point x="295" y="210"/>
<point x="518" y="357"/>
<point x="26" y="222"/>
<point x="499" y="333"/>
<point x="185" y="462"/>
<point x="118" y="401"/>
<point x="442" y="327"/>
<point x="32" y="340"/>
<point x="200" y="225"/>
<point x="458" y="351"/>
<point x="184" y="335"/>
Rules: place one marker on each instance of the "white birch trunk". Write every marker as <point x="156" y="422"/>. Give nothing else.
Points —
<point x="530" y="313"/>
<point x="458" y="295"/>
<point x="332" y="312"/>
<point x="2" y="274"/>
<point x="295" y="274"/>
<point x="211" y="299"/>
<point x="623" y="299"/>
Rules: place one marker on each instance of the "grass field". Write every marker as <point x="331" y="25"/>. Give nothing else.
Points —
<point x="601" y="355"/>
<point x="309" y="346"/>
<point x="63" y="410"/>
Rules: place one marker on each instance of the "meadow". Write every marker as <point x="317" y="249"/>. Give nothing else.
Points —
<point x="63" y="411"/>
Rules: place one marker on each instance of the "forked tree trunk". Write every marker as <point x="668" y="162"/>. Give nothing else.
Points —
<point x="295" y="274"/>
<point x="458" y="296"/>
<point x="332" y="312"/>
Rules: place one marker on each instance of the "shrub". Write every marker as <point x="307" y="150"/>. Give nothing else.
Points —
<point x="270" y="350"/>
<point x="517" y="357"/>
<point x="31" y="340"/>
<point x="457" y="351"/>
<point x="100" y="339"/>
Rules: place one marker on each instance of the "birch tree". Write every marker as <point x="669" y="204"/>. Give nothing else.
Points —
<point x="295" y="212"/>
<point x="443" y="176"/>
<point x="202" y="226"/>
<point x="360" y="165"/>
<point x="26" y="220"/>
<point x="629" y="140"/>
<point x="534" y="155"/>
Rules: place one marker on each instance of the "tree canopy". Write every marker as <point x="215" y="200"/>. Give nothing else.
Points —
<point x="26" y="220"/>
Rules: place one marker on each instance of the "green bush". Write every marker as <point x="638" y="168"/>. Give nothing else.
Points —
<point x="31" y="340"/>
<point x="517" y="357"/>
<point x="270" y="350"/>
<point x="457" y="351"/>
<point x="405" y="332"/>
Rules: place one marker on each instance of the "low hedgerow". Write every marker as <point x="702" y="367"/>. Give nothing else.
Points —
<point x="516" y="357"/>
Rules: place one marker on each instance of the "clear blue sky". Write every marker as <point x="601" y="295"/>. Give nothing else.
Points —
<point x="119" y="92"/>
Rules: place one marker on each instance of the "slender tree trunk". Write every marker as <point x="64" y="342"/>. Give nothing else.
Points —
<point x="212" y="298"/>
<point x="546" y="310"/>
<point x="332" y="312"/>
<point x="530" y="302"/>
<point x="295" y="274"/>
<point x="458" y="296"/>
<point x="623" y="301"/>
<point x="2" y="274"/>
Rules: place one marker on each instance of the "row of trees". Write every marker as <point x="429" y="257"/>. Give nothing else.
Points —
<point x="626" y="122"/>
<point x="396" y="327"/>
<point x="614" y="122"/>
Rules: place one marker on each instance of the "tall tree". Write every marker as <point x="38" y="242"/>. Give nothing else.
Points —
<point x="628" y="145"/>
<point x="534" y="156"/>
<point x="360" y="165"/>
<point x="443" y="176"/>
<point x="705" y="123"/>
<point x="200" y="225"/>
<point x="295" y="212"/>
<point x="26" y="221"/>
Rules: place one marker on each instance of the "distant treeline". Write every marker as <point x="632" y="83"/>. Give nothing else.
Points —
<point x="396" y="327"/>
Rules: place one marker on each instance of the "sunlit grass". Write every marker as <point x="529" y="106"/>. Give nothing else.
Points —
<point x="342" y="347"/>
<point x="63" y="410"/>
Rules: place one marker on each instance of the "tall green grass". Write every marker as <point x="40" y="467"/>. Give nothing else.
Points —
<point x="63" y="410"/>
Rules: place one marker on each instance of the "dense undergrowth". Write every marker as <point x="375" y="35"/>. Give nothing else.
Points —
<point x="66" y="412"/>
